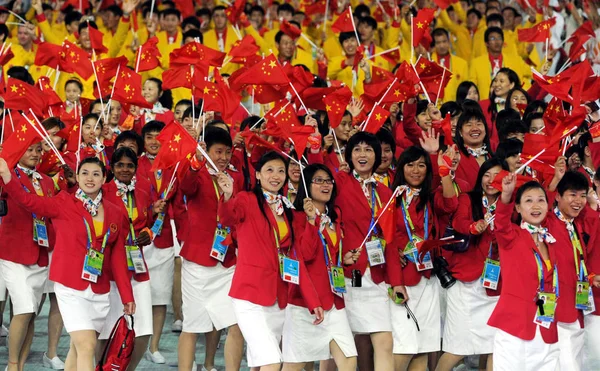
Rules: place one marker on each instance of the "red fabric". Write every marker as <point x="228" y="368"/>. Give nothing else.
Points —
<point x="127" y="89"/>
<point x="290" y="29"/>
<point x="17" y="143"/>
<point x="335" y="105"/>
<point x="266" y="72"/>
<point x="376" y="120"/>
<point x="243" y="49"/>
<point x="150" y="55"/>
<point x="257" y="278"/>
<point x="96" y="40"/>
<point x="67" y="214"/>
<point x="21" y="96"/>
<point x="343" y="23"/>
<point x="176" y="145"/>
<point x="197" y="54"/>
<point x="538" y="33"/>
<point x="73" y="59"/>
<point x="421" y="24"/>
<point x="106" y="70"/>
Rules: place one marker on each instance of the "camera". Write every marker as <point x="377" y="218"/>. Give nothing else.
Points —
<point x="440" y="268"/>
<point x="356" y="278"/>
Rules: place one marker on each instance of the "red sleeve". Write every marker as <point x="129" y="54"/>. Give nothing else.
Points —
<point x="462" y="219"/>
<point x="411" y="129"/>
<point x="44" y="206"/>
<point x="444" y="205"/>
<point x="190" y="183"/>
<point x="322" y="70"/>
<point x="309" y="241"/>
<point x="595" y="150"/>
<point x="118" y="265"/>
<point x="505" y="230"/>
<point x="233" y="211"/>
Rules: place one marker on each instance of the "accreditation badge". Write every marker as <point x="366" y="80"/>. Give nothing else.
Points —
<point x="220" y="244"/>
<point x="40" y="232"/>
<point x="491" y="274"/>
<point x="291" y="270"/>
<point x="546" y="306"/>
<point x="375" y="252"/>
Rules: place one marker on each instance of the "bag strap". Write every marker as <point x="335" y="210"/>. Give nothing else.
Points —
<point x="110" y="339"/>
<point x="130" y="330"/>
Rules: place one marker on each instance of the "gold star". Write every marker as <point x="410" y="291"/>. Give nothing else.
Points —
<point x="194" y="47"/>
<point x="74" y="127"/>
<point x="24" y="128"/>
<point x="13" y="88"/>
<point x="423" y="66"/>
<point x="419" y="25"/>
<point x="127" y="88"/>
<point x="378" y="117"/>
<point x="328" y="108"/>
<point x="177" y="138"/>
<point x="72" y="54"/>
<point x="272" y="64"/>
<point x="206" y="90"/>
<point x="397" y="93"/>
<point x="545" y="26"/>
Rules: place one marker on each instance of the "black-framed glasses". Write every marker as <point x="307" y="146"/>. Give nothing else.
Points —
<point x="321" y="181"/>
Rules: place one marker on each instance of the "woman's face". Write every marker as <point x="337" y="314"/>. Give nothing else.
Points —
<point x="294" y="172"/>
<point x="537" y="126"/>
<point x="124" y="170"/>
<point x="54" y="138"/>
<point x="350" y="45"/>
<point x="386" y="158"/>
<point x="32" y="156"/>
<point x="221" y="155"/>
<point x="473" y="133"/>
<point x="72" y="92"/>
<point x="90" y="131"/>
<point x="473" y="94"/>
<point x="423" y="120"/>
<point x="150" y="91"/>
<point x="514" y="162"/>
<point x="453" y="122"/>
<point x="533" y="206"/>
<point x="90" y="178"/>
<point x="415" y="172"/>
<point x="501" y="85"/>
<point x="272" y="176"/>
<point x="363" y="158"/>
<point x="321" y="187"/>
<point x="342" y="132"/>
<point x="516" y="98"/>
<point x="488" y="179"/>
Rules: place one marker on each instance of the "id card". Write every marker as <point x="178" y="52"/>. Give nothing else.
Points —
<point x="375" y="252"/>
<point x="546" y="305"/>
<point x="158" y="224"/>
<point x="88" y="276"/>
<point x="339" y="282"/>
<point x="582" y="296"/>
<point x="491" y="274"/>
<point x="41" y="232"/>
<point x="134" y="253"/>
<point x="412" y="255"/>
<point x="592" y="307"/>
<point x="219" y="249"/>
<point x="291" y="270"/>
<point x="93" y="262"/>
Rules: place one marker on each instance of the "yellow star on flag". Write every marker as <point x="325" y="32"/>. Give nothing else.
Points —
<point x="127" y="88"/>
<point x="177" y="138"/>
<point x="272" y="64"/>
<point x="13" y="88"/>
<point x="378" y="117"/>
<point x="419" y="25"/>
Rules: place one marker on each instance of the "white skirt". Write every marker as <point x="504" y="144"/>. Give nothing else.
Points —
<point x="424" y="302"/>
<point x="466" y="331"/>
<point x="81" y="310"/>
<point x="2" y="287"/>
<point x="512" y="353"/>
<point x="142" y="319"/>
<point x="25" y="284"/>
<point x="262" y="328"/>
<point x="305" y="342"/>
<point x="591" y="353"/>
<point x="205" y="295"/>
<point x="570" y="341"/>
<point x="161" y="266"/>
<point x="49" y="285"/>
<point x="367" y="306"/>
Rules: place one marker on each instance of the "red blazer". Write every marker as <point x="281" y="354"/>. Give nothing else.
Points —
<point x="257" y="278"/>
<point x="587" y="225"/>
<point x="165" y="238"/>
<point x="491" y="125"/>
<point x="409" y="275"/>
<point x="516" y="307"/>
<point x="332" y="161"/>
<point x="143" y="204"/>
<point x="352" y="201"/>
<point x="593" y="260"/>
<point x="314" y="258"/>
<point x="67" y="214"/>
<point x="202" y="218"/>
<point x="468" y="266"/>
<point x="467" y="171"/>
<point x="16" y="229"/>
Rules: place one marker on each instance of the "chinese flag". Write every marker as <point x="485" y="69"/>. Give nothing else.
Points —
<point x="49" y="164"/>
<point x="73" y="59"/>
<point x="230" y="99"/>
<point x="106" y="69"/>
<point x="445" y="126"/>
<point x="538" y="33"/>
<point x="378" y="117"/>
<point x="176" y="145"/>
<point x="15" y="145"/>
<point x="315" y="97"/>
<point x="47" y="54"/>
<point x="433" y="76"/>
<point x="595" y="130"/>
<point x="578" y="39"/>
<point x="265" y="94"/>
<point x="96" y="37"/>
<point x="22" y="96"/>
<point x="301" y="78"/>
<point x="196" y="53"/>
<point x="300" y="136"/>
<point x="315" y="7"/>
<point x="443" y="4"/>
<point x="46" y="88"/>
<point x="335" y="105"/>
<point x="266" y="72"/>
<point x="128" y="88"/>
<point x="209" y="92"/>
<point x="421" y="24"/>
<point x="566" y="126"/>
<point x="251" y="139"/>
<point x="387" y="221"/>
<point x="186" y="7"/>
<point x="534" y="144"/>
<point x="243" y="49"/>
<point x="71" y="134"/>
<point x="379" y="74"/>
<point x="81" y="5"/>
<point x="343" y="23"/>
<point x="234" y="11"/>
<point x="497" y="182"/>
<point x="150" y="55"/>
<point x="177" y="77"/>
<point x="6" y="56"/>
<point x="290" y="29"/>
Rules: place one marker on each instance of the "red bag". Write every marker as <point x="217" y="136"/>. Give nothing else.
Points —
<point x="118" y="350"/>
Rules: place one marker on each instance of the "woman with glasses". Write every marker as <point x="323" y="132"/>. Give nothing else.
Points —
<point x="136" y="205"/>
<point x="322" y="254"/>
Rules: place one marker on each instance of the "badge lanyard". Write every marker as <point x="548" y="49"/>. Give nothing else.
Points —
<point x="580" y="267"/>
<point x="90" y="242"/>
<point x="158" y="223"/>
<point x="374" y="197"/>
<point x="130" y="208"/>
<point x="328" y="260"/>
<point x="408" y="221"/>
<point x="28" y="191"/>
<point x="540" y="264"/>
<point x="218" y="202"/>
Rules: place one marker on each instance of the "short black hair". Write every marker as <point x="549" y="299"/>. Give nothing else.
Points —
<point x="191" y="20"/>
<point x="491" y="30"/>
<point x="257" y="8"/>
<point x="440" y="32"/>
<point x="532" y="184"/>
<point x="385" y="137"/>
<point x="285" y="7"/>
<point x="20" y="73"/>
<point x="368" y="139"/>
<point x="369" y="21"/>
<point x="474" y="11"/>
<point x="194" y="33"/>
<point x="83" y="25"/>
<point x="130" y="135"/>
<point x="511" y="127"/>
<point x="76" y="82"/>
<point x="171" y="11"/>
<point x="93" y="160"/>
<point x="153" y="126"/>
<point x="495" y="17"/>
<point x="532" y="116"/>
<point x="513" y="10"/>
<point x="72" y="16"/>
<point x="361" y="8"/>
<point x="114" y="9"/>
<point x="508" y="148"/>
<point x="279" y="35"/>
<point x="345" y="36"/>
<point x="506" y="116"/>
<point x="453" y="108"/>
<point x="214" y="135"/>
<point x="119" y="153"/>
<point x="572" y="181"/>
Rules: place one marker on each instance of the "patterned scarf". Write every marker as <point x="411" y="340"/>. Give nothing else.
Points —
<point x="150" y="157"/>
<point x="568" y="222"/>
<point x="590" y="172"/>
<point x="324" y="220"/>
<point x="291" y="189"/>
<point x="481" y="151"/>
<point x="499" y="100"/>
<point x="364" y="183"/>
<point x="90" y="205"/>
<point x="34" y="175"/>
<point x="409" y="194"/>
<point x="489" y="211"/>
<point x="123" y="189"/>
<point x="542" y="233"/>
<point x="278" y="201"/>
<point x="381" y="178"/>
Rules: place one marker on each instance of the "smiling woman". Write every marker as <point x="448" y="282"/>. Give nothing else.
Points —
<point x="472" y="140"/>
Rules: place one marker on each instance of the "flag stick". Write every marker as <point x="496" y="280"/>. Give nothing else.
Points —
<point x="386" y="92"/>
<point x="227" y="60"/>
<point x="440" y="87"/>
<point x="208" y="159"/>
<point x="300" y="99"/>
<point x="98" y="85"/>
<point x="539" y="131"/>
<point x="17" y="16"/>
<point x="567" y="141"/>
<point x="152" y="8"/>
<point x="15" y="24"/>
<point x="412" y="49"/>
<point x="564" y="66"/>
<point x="137" y="62"/>
<point x="299" y="163"/>
<point x="353" y="25"/>
<point x="2" y="49"/>
<point x="257" y="122"/>
<point x="172" y="181"/>
<point x="252" y="101"/>
<point x="111" y="94"/>
<point x="383" y="52"/>
<point x="547" y="46"/>
<point x="421" y="82"/>
<point x="394" y="195"/>
<point x="335" y="139"/>
<point x="12" y="124"/>
<point x="56" y="78"/>
<point x="3" y="128"/>
<point x="44" y="135"/>
<point x="78" y="153"/>
<point x="530" y="161"/>
<point x="309" y="40"/>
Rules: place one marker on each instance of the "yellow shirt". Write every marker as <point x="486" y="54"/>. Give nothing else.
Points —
<point x="283" y="229"/>
<point x="98" y="227"/>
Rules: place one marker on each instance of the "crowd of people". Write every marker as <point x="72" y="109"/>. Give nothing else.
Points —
<point x="374" y="185"/>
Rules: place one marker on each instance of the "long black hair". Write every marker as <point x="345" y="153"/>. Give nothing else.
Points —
<point x="248" y="122"/>
<point x="309" y="174"/>
<point x="258" y="191"/>
<point x="412" y="154"/>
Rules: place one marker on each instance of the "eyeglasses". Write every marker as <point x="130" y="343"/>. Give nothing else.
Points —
<point x="321" y="181"/>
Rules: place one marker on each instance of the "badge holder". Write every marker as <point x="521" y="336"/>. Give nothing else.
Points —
<point x="546" y="305"/>
<point x="135" y="260"/>
<point x="291" y="270"/>
<point x="375" y="252"/>
<point x="92" y="265"/>
<point x="220" y="245"/>
<point x="412" y="255"/>
<point x="338" y="280"/>
<point x="40" y="232"/>
<point x="582" y="296"/>
<point x="491" y="274"/>
<point x="158" y="224"/>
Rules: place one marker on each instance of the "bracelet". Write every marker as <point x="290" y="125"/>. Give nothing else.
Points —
<point x="591" y="278"/>
<point x="473" y="229"/>
<point x="149" y="231"/>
